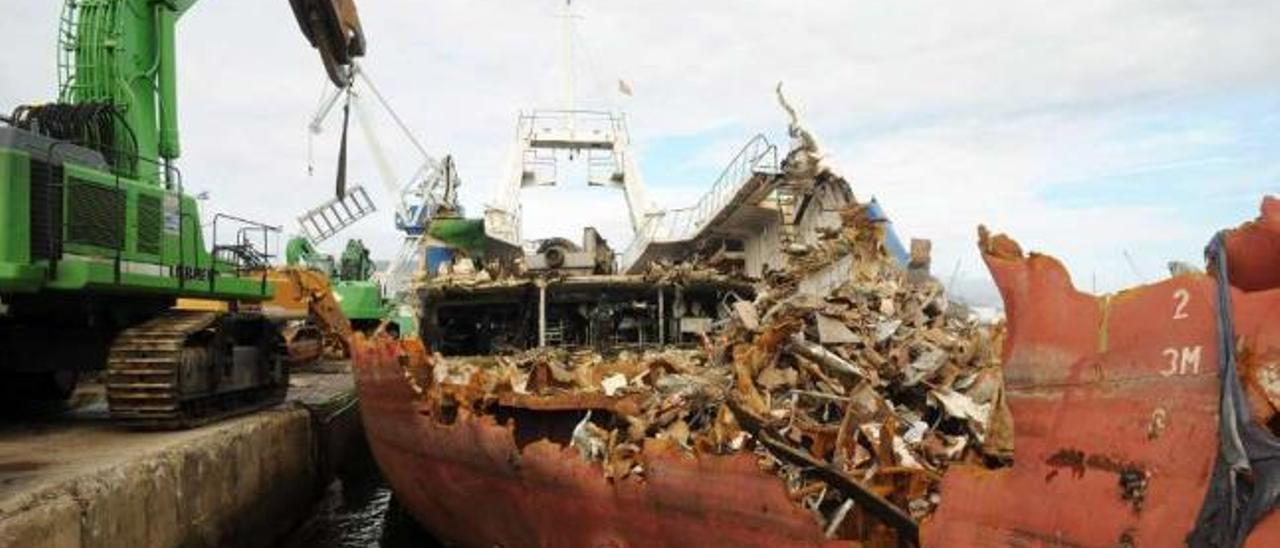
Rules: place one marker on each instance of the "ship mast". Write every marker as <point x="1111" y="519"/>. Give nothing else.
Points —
<point x="566" y="54"/>
<point x="542" y="136"/>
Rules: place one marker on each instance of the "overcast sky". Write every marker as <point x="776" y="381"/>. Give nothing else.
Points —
<point x="1087" y="129"/>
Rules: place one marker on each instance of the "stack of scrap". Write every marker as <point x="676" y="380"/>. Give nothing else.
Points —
<point x="857" y="400"/>
<point x="664" y="272"/>
<point x="880" y="384"/>
<point x="462" y="271"/>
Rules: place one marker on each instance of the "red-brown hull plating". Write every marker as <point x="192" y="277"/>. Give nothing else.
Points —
<point x="1107" y="391"/>
<point x="470" y="484"/>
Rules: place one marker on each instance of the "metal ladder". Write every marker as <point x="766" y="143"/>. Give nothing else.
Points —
<point x="331" y="217"/>
<point x="555" y="333"/>
<point x="788" y="201"/>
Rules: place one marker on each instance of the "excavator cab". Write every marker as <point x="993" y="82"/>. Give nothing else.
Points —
<point x="333" y="27"/>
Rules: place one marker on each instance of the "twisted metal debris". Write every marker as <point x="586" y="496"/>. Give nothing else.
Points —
<point x="858" y="400"/>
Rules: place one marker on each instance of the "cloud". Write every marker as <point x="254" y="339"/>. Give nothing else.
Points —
<point x="1086" y="129"/>
<point x="940" y="181"/>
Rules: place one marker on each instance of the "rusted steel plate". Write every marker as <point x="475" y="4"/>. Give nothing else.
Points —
<point x="470" y="483"/>
<point x="568" y="401"/>
<point x="1109" y="393"/>
<point x="1254" y="248"/>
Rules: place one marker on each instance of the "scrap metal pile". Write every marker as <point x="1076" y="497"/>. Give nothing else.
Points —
<point x="866" y="394"/>
<point x="857" y="400"/>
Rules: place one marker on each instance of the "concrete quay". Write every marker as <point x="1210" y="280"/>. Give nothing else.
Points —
<point x="78" y="481"/>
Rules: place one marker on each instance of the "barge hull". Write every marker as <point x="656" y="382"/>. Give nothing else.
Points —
<point x="470" y="481"/>
<point x="1115" y="401"/>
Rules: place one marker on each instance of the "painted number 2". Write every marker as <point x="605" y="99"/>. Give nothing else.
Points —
<point x="1182" y="360"/>
<point x="1180" y="299"/>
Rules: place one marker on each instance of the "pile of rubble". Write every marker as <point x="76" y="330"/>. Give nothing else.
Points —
<point x="880" y="383"/>
<point x="665" y="272"/>
<point x="857" y="400"/>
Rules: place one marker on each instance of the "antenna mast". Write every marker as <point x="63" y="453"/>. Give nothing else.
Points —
<point x="566" y="54"/>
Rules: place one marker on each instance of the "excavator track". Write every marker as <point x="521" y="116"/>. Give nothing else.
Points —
<point x="144" y="376"/>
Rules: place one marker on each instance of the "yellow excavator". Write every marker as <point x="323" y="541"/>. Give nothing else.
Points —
<point x="318" y="327"/>
<point x="312" y="323"/>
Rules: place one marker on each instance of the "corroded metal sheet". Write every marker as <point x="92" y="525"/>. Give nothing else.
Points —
<point x="1115" y="402"/>
<point x="473" y="481"/>
<point x="1254" y="248"/>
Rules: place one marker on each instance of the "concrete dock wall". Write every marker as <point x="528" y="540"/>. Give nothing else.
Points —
<point x="243" y="482"/>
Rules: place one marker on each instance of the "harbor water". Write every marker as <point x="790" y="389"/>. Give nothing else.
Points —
<point x="359" y="511"/>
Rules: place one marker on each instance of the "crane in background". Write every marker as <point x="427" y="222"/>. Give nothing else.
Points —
<point x="430" y="192"/>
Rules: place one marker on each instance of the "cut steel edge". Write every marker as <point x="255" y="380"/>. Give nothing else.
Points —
<point x="469" y="482"/>
<point x="1253" y="250"/>
<point x="1105" y="386"/>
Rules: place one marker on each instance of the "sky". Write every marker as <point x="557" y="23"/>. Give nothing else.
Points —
<point x="1116" y="135"/>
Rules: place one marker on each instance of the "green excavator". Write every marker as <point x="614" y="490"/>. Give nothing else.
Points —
<point x="100" y="238"/>
<point x="358" y="294"/>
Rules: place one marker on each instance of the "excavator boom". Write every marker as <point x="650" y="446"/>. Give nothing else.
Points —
<point x="305" y="293"/>
<point x="128" y="78"/>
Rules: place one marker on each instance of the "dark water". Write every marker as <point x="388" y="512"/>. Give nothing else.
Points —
<point x="359" y="511"/>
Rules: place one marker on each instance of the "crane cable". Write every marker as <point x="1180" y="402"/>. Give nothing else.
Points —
<point x="428" y="165"/>
<point x="342" y="148"/>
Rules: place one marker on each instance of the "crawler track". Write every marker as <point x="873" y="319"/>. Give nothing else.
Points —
<point x="144" y="374"/>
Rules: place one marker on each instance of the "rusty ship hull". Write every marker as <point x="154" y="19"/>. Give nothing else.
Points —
<point x="1115" y="401"/>
<point x="472" y="481"/>
<point x="1115" y="404"/>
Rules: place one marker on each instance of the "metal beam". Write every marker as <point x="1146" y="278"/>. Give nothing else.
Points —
<point x="662" y="319"/>
<point x="542" y="314"/>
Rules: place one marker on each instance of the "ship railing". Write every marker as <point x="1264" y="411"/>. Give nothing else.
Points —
<point x="585" y="128"/>
<point x="758" y="156"/>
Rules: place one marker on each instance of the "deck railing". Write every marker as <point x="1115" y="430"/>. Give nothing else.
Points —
<point x="758" y="156"/>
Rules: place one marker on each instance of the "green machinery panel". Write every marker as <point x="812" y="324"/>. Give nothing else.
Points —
<point x="70" y="227"/>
